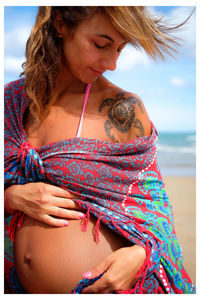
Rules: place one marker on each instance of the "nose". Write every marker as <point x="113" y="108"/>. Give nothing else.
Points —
<point x="109" y="62"/>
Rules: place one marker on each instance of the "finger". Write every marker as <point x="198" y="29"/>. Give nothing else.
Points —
<point x="108" y="283"/>
<point x="51" y="221"/>
<point x="98" y="269"/>
<point x="65" y="203"/>
<point x="99" y="287"/>
<point x="60" y="202"/>
<point x="58" y="191"/>
<point x="65" y="213"/>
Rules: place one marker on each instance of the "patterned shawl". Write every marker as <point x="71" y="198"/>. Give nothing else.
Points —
<point x="119" y="183"/>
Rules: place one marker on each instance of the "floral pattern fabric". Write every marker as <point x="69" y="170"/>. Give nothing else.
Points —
<point x="119" y="183"/>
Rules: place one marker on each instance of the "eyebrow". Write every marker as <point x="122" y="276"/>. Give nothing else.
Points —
<point x="109" y="38"/>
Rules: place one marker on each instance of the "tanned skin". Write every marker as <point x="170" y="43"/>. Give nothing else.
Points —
<point x="122" y="115"/>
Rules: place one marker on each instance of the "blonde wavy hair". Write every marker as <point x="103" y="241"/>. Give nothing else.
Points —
<point x="134" y="23"/>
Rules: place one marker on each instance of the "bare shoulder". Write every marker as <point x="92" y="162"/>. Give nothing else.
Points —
<point x="127" y="117"/>
<point x="141" y="123"/>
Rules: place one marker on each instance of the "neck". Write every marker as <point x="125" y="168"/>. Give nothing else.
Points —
<point x="67" y="82"/>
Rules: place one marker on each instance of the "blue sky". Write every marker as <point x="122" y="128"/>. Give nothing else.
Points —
<point x="167" y="88"/>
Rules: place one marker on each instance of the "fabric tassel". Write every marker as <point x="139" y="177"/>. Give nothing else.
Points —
<point x="97" y="228"/>
<point x="143" y="271"/>
<point x="141" y="275"/>
<point x="20" y="221"/>
<point x="23" y="149"/>
<point x="14" y="223"/>
<point x="85" y="221"/>
<point x="126" y="188"/>
<point x="123" y="232"/>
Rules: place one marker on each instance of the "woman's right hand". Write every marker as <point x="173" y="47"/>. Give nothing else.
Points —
<point x="44" y="202"/>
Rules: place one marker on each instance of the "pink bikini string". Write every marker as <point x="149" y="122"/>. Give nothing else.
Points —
<point x="18" y="216"/>
<point x="84" y="105"/>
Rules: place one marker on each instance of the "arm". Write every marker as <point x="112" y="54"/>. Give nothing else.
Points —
<point x="120" y="270"/>
<point x="140" y="122"/>
<point x="44" y="202"/>
<point x="7" y="208"/>
<point x="127" y="118"/>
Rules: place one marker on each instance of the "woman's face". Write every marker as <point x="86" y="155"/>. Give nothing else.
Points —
<point x="93" y="49"/>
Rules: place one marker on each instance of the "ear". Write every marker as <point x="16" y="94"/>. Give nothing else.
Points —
<point x="59" y="25"/>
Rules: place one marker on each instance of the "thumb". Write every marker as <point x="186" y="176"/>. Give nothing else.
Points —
<point x="98" y="269"/>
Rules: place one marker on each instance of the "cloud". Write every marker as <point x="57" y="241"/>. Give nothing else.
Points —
<point x="131" y="57"/>
<point x="18" y="24"/>
<point x="178" y="82"/>
<point x="12" y="64"/>
<point x="186" y="33"/>
<point x="15" y="40"/>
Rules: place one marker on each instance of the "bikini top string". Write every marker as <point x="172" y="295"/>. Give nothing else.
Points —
<point x="84" y="105"/>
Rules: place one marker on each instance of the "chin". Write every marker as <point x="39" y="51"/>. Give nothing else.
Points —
<point x="90" y="80"/>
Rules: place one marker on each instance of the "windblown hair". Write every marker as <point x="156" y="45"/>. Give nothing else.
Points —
<point x="134" y="24"/>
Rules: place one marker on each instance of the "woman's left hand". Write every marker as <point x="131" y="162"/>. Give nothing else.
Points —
<point x="120" y="269"/>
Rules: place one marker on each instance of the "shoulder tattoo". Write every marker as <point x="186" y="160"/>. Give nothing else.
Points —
<point x="121" y="115"/>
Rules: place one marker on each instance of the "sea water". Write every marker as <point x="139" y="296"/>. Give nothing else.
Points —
<point x="177" y="153"/>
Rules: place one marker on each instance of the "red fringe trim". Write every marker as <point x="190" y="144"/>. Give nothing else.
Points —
<point x="16" y="221"/>
<point x="85" y="221"/>
<point x="23" y="149"/>
<point x="141" y="275"/>
<point x="97" y="227"/>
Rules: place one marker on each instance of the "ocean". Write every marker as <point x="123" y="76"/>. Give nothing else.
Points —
<point x="177" y="153"/>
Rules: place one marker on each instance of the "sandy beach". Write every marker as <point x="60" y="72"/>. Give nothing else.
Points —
<point x="182" y="195"/>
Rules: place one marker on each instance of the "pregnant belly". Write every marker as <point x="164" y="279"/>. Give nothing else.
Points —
<point x="53" y="260"/>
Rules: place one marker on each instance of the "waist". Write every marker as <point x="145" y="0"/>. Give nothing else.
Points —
<point x="66" y="253"/>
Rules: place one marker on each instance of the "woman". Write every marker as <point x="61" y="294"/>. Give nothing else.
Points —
<point x="83" y="171"/>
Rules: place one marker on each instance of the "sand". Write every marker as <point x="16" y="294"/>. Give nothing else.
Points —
<point x="182" y="195"/>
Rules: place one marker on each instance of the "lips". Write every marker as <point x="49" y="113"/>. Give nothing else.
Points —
<point x="98" y="73"/>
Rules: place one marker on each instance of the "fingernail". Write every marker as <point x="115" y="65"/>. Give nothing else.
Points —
<point x="66" y="224"/>
<point x="87" y="274"/>
<point x="81" y="216"/>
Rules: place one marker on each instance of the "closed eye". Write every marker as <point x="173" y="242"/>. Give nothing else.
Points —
<point x="100" y="47"/>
